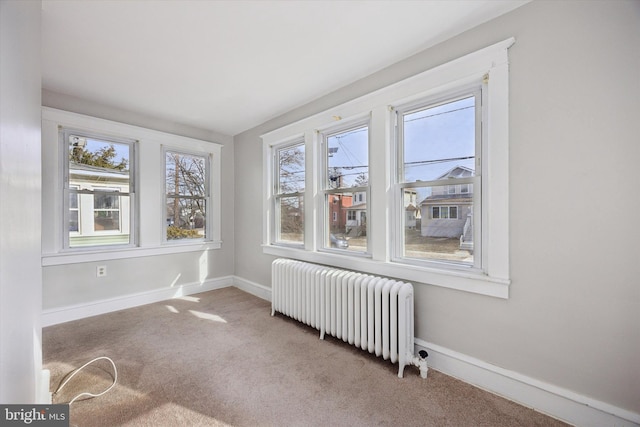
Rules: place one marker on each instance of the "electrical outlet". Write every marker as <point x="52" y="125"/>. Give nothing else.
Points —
<point x="101" y="271"/>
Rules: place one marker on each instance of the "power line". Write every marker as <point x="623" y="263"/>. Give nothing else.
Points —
<point x="427" y="162"/>
<point x="438" y="114"/>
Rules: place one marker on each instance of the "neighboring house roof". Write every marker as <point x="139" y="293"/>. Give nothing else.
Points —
<point x="360" y="207"/>
<point x="447" y="199"/>
<point x="80" y="169"/>
<point x="457" y="172"/>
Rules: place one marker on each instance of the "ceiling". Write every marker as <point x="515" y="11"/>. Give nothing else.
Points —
<point x="228" y="66"/>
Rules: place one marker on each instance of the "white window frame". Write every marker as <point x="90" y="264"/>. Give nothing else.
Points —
<point x="475" y="90"/>
<point x="278" y="195"/>
<point x="63" y="141"/>
<point x="325" y="194"/>
<point x="149" y="197"/>
<point x="489" y="66"/>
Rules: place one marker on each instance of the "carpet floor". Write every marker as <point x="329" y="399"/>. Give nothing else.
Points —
<point x="220" y="359"/>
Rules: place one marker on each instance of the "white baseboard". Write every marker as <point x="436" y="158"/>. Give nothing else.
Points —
<point x="253" y="288"/>
<point x="43" y="395"/>
<point x="547" y="398"/>
<point x="80" y="311"/>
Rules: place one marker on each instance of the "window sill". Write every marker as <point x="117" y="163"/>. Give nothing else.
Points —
<point x="467" y="281"/>
<point x="103" y="254"/>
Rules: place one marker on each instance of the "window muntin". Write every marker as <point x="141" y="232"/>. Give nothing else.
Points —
<point x="346" y="185"/>
<point x="186" y="195"/>
<point x="98" y="184"/>
<point x="438" y="143"/>
<point x="289" y="193"/>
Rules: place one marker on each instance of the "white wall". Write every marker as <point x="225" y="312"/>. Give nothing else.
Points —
<point x="572" y="317"/>
<point x="20" y="212"/>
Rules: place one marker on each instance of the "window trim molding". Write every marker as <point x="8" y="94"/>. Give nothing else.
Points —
<point x="488" y="65"/>
<point x="149" y="150"/>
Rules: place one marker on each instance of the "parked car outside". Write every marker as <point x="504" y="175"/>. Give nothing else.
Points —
<point x="338" y="241"/>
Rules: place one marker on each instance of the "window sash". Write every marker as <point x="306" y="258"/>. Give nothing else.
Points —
<point x="284" y="181"/>
<point x="288" y="184"/>
<point x="450" y="184"/>
<point x="333" y="184"/>
<point x="83" y="238"/>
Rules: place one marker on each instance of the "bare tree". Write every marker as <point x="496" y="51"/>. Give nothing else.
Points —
<point x="186" y="186"/>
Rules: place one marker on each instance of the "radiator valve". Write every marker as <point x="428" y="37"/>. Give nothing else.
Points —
<point x="421" y="363"/>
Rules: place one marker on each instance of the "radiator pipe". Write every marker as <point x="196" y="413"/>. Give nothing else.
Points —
<point x="421" y="362"/>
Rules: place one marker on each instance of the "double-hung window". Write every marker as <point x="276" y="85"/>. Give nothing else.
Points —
<point x="289" y="190"/>
<point x="410" y="181"/>
<point x="99" y="207"/>
<point x="186" y="195"/>
<point x="438" y="143"/>
<point x="346" y="187"/>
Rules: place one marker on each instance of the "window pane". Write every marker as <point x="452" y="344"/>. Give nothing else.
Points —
<point x="73" y="200"/>
<point x="291" y="214"/>
<point x="106" y="220"/>
<point x="105" y="201"/>
<point x="186" y="218"/>
<point x="347" y="226"/>
<point x="73" y="220"/>
<point x="440" y="141"/>
<point x="186" y="174"/>
<point x="441" y="226"/>
<point x="348" y="158"/>
<point x="291" y="170"/>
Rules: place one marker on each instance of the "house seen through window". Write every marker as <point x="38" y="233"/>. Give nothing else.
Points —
<point x="346" y="183"/>
<point x="99" y="184"/>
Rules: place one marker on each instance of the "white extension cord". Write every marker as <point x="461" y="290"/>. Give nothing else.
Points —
<point x="87" y="394"/>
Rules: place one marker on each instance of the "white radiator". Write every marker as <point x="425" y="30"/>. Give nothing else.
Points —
<point x="373" y="313"/>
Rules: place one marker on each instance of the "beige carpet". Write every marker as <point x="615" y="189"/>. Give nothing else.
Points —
<point x="219" y="358"/>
